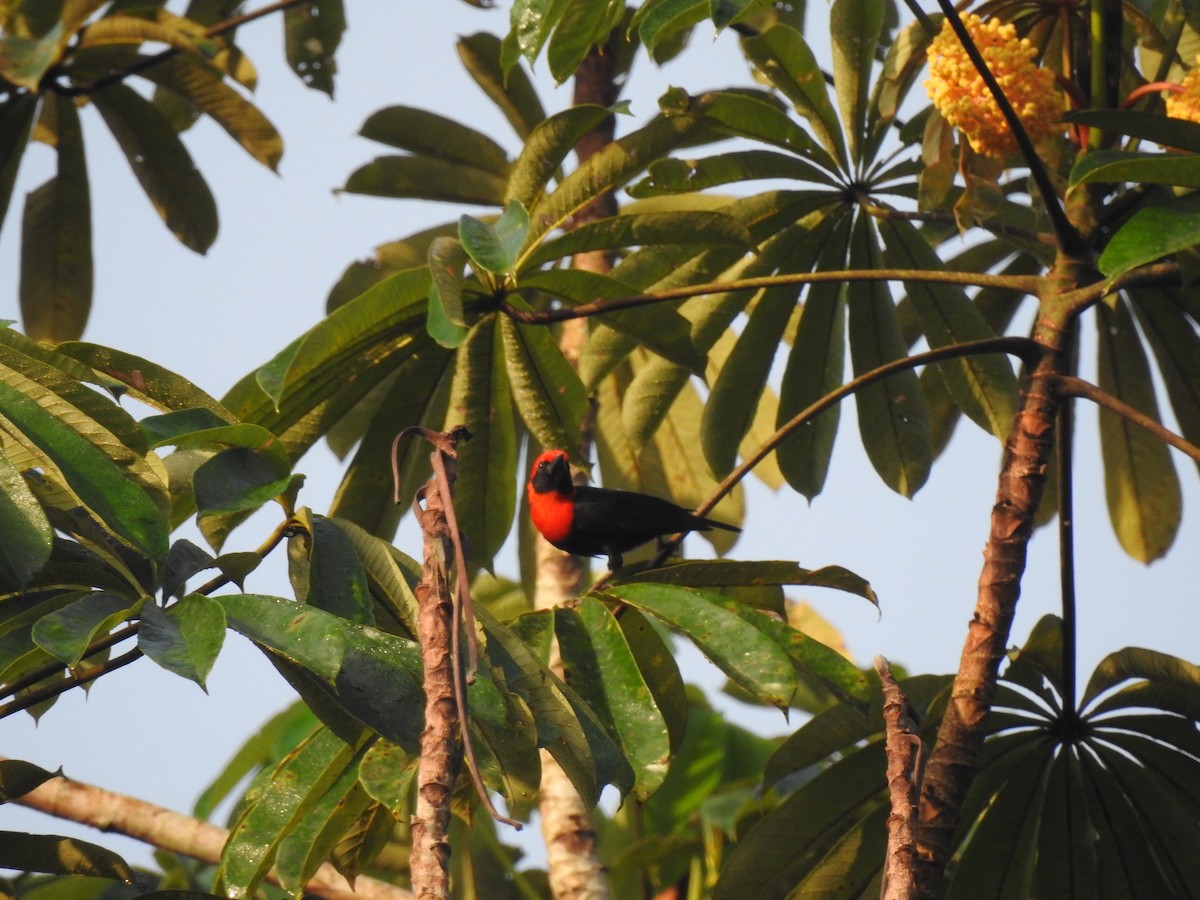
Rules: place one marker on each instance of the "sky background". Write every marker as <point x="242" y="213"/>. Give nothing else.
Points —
<point x="286" y="238"/>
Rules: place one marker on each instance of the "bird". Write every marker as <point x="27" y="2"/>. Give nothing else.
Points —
<point x="594" y="521"/>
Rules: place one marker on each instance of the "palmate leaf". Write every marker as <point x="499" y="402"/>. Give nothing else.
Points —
<point x="56" y="241"/>
<point x="856" y="28"/>
<point x="1141" y="484"/>
<point x="984" y="386"/>
<point x="1110" y="814"/>
<point x="891" y="413"/>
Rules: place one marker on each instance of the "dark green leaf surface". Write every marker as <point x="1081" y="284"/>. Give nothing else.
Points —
<point x="67" y="632"/>
<point x="16" y="119"/>
<point x="28" y="537"/>
<point x="18" y="778"/>
<point x="311" y="637"/>
<point x="61" y="856"/>
<point x="312" y="31"/>
<point x="753" y="660"/>
<point x="184" y="639"/>
<point x="508" y="87"/>
<point x="56" y="241"/>
<point x="426" y="133"/>
<point x="546" y="148"/>
<point x="856" y="28"/>
<point x="1151" y="233"/>
<point x="426" y="178"/>
<point x="162" y="165"/>
<point x="495" y="247"/>
<point x="447" y="261"/>
<point x="548" y="394"/>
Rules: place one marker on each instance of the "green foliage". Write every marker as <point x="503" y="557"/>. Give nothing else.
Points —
<point x="718" y="329"/>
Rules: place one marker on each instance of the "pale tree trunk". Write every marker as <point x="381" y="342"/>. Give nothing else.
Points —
<point x="573" y="859"/>
<point x="107" y="811"/>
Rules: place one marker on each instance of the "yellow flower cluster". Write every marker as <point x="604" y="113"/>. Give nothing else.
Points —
<point x="958" y="91"/>
<point x="1186" y="103"/>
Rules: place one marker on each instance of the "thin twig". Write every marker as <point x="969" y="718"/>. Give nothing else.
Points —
<point x="75" y="679"/>
<point x="1026" y="284"/>
<point x="1070" y="386"/>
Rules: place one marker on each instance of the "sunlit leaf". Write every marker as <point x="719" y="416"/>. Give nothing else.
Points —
<point x="28" y="537"/>
<point x="426" y="178"/>
<point x="1141" y="484"/>
<point x="495" y="247"/>
<point x="61" y="855"/>
<point x="856" y="29"/>
<point x="66" y="633"/>
<point x="508" y="87"/>
<point x="545" y="149"/>
<point x="1152" y="232"/>
<point x="427" y="133"/>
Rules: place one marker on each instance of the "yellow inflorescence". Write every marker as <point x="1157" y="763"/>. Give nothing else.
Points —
<point x="1186" y="104"/>
<point x="958" y="91"/>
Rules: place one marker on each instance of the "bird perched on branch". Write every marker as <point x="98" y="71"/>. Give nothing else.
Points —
<point x="592" y="521"/>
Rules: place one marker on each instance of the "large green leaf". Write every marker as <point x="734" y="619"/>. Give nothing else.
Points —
<point x="548" y="393"/>
<point x="1141" y="485"/>
<point x="545" y="149"/>
<point x="598" y="660"/>
<point x="1154" y="231"/>
<point x="785" y="59"/>
<point x="56" y="241"/>
<point x="752" y="659"/>
<point x="672" y="175"/>
<point x="891" y="413"/>
<point x="310" y="637"/>
<point x="984" y="386"/>
<point x="856" y="28"/>
<point x="1149" y="126"/>
<point x="585" y="25"/>
<point x="162" y="165"/>
<point x="186" y="638"/>
<point x="97" y="467"/>
<point x="481" y="399"/>
<point x="28" y="537"/>
<point x="699" y="227"/>
<point x="611" y="168"/>
<point x="426" y="178"/>
<point x="1140" y="167"/>
<point x="312" y="31"/>
<point x="814" y="368"/>
<point x="337" y="582"/>
<point x="66" y="633"/>
<point x="428" y="134"/>
<point x="294" y="788"/>
<point x="660" y="24"/>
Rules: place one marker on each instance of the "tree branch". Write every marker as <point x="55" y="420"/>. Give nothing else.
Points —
<point x="168" y="830"/>
<point x="1070" y="386"/>
<point x="905" y="758"/>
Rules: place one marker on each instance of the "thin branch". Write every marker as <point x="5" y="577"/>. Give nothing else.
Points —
<point x="1026" y="349"/>
<point x="1070" y="386"/>
<point x="905" y="761"/>
<point x="166" y="829"/>
<point x="148" y="62"/>
<point x="1069" y="239"/>
<point x="74" y="680"/>
<point x="1026" y="284"/>
<point x="1065" y="432"/>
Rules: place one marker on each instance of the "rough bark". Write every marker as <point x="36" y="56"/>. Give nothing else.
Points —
<point x="87" y="804"/>
<point x="441" y="753"/>
<point x="904" y="757"/>
<point x="952" y="764"/>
